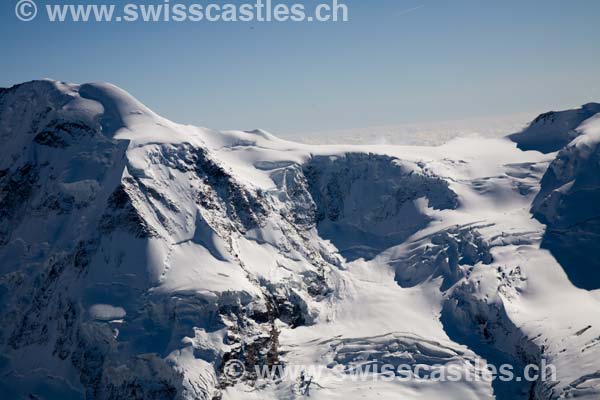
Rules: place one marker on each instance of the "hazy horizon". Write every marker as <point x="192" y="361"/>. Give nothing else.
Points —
<point x="393" y="63"/>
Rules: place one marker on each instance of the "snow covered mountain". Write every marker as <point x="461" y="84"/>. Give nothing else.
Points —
<point x="140" y="257"/>
<point x="569" y="203"/>
<point x="552" y="131"/>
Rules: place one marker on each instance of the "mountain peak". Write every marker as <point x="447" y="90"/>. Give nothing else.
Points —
<point x="552" y="131"/>
<point x="592" y="106"/>
<point x="119" y="106"/>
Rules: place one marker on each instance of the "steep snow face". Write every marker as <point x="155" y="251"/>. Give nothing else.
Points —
<point x="367" y="203"/>
<point x="552" y="131"/>
<point x="568" y="204"/>
<point x="139" y="256"/>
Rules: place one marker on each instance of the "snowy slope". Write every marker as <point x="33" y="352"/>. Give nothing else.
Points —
<point x="139" y="256"/>
<point x="552" y="131"/>
<point x="569" y="204"/>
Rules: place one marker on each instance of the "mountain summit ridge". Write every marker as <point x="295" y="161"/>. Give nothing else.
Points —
<point x="553" y="130"/>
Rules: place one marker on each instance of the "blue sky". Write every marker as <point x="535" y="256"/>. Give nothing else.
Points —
<point x="443" y="60"/>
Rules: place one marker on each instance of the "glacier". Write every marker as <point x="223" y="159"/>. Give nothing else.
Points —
<point x="140" y="256"/>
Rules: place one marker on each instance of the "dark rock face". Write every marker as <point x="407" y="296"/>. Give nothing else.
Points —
<point x="16" y="189"/>
<point x="121" y="213"/>
<point x="60" y="134"/>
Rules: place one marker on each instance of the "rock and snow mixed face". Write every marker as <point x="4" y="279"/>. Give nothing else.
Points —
<point x="139" y="256"/>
